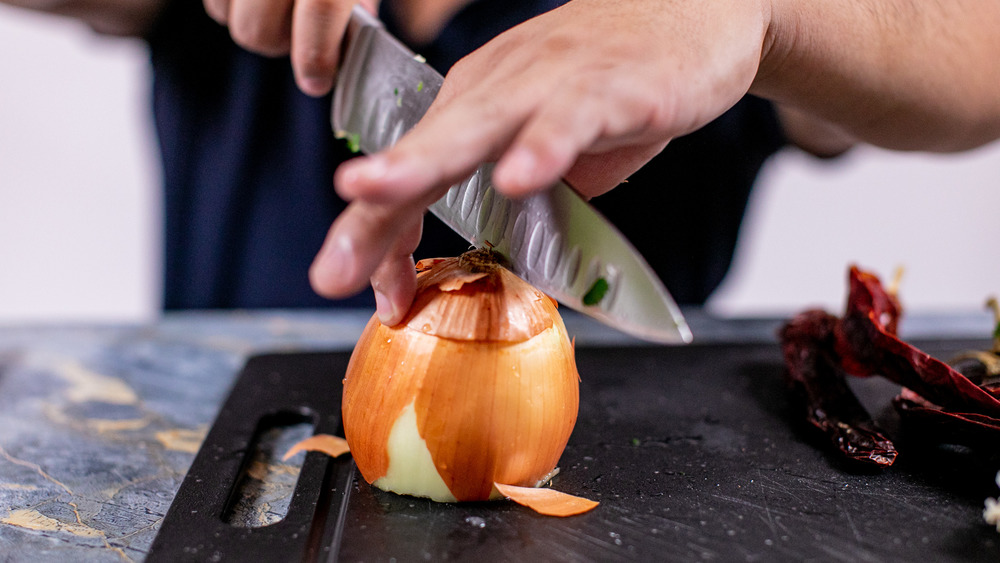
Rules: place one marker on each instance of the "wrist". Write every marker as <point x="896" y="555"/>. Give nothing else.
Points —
<point x="774" y="52"/>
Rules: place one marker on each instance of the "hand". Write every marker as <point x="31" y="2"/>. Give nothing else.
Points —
<point x="310" y="31"/>
<point x="590" y="92"/>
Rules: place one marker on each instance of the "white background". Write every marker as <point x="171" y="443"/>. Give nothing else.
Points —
<point x="79" y="200"/>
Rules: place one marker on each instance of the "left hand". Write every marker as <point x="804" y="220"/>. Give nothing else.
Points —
<point x="589" y="92"/>
<point x="309" y="31"/>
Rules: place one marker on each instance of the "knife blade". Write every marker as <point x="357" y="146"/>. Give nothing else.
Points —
<point x="554" y="240"/>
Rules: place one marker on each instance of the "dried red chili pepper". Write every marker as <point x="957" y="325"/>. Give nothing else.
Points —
<point x="940" y="402"/>
<point x="831" y="407"/>
<point x="866" y="342"/>
<point x="935" y="425"/>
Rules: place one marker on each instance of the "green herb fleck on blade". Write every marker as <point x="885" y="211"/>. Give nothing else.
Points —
<point x="354" y="142"/>
<point x="420" y="86"/>
<point x="596" y="292"/>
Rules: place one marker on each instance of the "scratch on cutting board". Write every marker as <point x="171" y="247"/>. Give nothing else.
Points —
<point x="847" y="552"/>
<point x="767" y="507"/>
<point x="850" y="521"/>
<point x="811" y="483"/>
<point x="765" y="513"/>
<point x="801" y="483"/>
<point x="912" y="503"/>
<point x="571" y="539"/>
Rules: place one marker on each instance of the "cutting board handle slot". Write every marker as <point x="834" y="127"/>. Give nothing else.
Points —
<point x="262" y="492"/>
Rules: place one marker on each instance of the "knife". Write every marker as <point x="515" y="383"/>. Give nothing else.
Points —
<point x="554" y="240"/>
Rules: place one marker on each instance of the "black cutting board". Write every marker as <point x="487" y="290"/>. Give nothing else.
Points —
<point x="694" y="453"/>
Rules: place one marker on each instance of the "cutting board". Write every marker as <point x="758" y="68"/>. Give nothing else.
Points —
<point x="695" y="453"/>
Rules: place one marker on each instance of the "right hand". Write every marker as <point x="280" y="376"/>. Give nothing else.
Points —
<point x="588" y="92"/>
<point x="310" y="31"/>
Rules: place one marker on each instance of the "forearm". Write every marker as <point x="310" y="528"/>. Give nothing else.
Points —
<point x="896" y="73"/>
<point x="112" y="17"/>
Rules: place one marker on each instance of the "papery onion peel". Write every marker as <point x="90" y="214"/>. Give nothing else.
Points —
<point x="477" y="385"/>
<point x="333" y="446"/>
<point x="547" y="501"/>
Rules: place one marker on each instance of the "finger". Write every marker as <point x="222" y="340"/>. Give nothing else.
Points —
<point x="548" y="145"/>
<point x="261" y="26"/>
<point x="395" y="280"/>
<point x="218" y="10"/>
<point x="586" y="118"/>
<point x="595" y="174"/>
<point x="445" y="147"/>
<point x="358" y="240"/>
<point x="317" y="29"/>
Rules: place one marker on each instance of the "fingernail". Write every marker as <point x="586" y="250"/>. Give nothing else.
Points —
<point x="385" y="309"/>
<point x="368" y="169"/>
<point x="314" y="86"/>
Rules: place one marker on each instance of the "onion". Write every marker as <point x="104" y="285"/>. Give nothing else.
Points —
<point x="476" y="386"/>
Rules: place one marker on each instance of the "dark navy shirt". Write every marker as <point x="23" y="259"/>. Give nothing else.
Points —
<point x="248" y="163"/>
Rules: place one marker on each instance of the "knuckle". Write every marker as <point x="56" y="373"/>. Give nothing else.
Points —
<point x="326" y="11"/>
<point x="324" y="17"/>
<point x="317" y="45"/>
<point x="461" y="75"/>
<point x="315" y="61"/>
<point x="458" y="69"/>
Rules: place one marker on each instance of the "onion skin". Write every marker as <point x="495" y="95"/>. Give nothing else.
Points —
<point x="489" y="368"/>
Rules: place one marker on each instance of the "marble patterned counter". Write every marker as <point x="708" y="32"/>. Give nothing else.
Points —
<point x="98" y="425"/>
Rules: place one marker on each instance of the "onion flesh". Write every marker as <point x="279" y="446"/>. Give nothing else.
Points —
<point x="411" y="468"/>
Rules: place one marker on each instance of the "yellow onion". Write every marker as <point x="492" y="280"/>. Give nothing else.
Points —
<point x="477" y="385"/>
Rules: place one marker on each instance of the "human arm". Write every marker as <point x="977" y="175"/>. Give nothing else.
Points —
<point x="495" y="106"/>
<point x="592" y="90"/>
<point x="893" y="73"/>
<point x="896" y="74"/>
